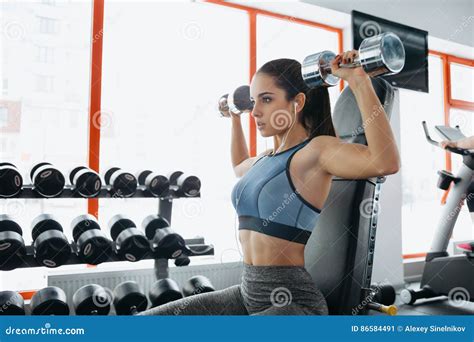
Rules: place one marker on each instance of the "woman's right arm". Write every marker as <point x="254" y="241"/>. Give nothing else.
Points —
<point x="241" y="161"/>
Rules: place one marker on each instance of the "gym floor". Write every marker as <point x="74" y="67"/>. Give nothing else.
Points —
<point x="430" y="307"/>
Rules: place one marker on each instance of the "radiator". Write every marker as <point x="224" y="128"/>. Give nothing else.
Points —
<point x="221" y="276"/>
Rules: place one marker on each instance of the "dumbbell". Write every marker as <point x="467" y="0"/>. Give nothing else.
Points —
<point x="166" y="243"/>
<point x="130" y="242"/>
<point x="129" y="299"/>
<point x="164" y="291"/>
<point x="50" y="245"/>
<point x="196" y="285"/>
<point x="50" y="300"/>
<point x="92" y="245"/>
<point x="383" y="294"/>
<point x="10" y="180"/>
<point x="47" y="180"/>
<point x="11" y="303"/>
<point x="382" y="54"/>
<point x="188" y="185"/>
<point x="12" y="245"/>
<point x="123" y="183"/>
<point x="86" y="182"/>
<point x="158" y="185"/>
<point x="92" y="299"/>
<point x="182" y="260"/>
<point x="235" y="102"/>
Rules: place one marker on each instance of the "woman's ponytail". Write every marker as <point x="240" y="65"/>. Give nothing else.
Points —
<point x="316" y="116"/>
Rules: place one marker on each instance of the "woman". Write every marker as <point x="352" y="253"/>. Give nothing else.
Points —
<point x="276" y="199"/>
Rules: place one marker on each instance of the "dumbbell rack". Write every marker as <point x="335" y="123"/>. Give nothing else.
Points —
<point x="195" y="247"/>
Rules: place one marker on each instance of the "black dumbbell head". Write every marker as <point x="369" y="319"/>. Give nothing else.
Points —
<point x="109" y="174"/>
<point x="153" y="222"/>
<point x="82" y="224"/>
<point x="182" y="260"/>
<point x="164" y="291"/>
<point x="142" y="176"/>
<point x="36" y="167"/>
<point x="190" y="185"/>
<point x="173" y="177"/>
<point x="157" y="185"/>
<point x="122" y="182"/>
<point x="196" y="285"/>
<point x="384" y="294"/>
<point x="92" y="299"/>
<point x="130" y="243"/>
<point x="12" y="245"/>
<point x="118" y="223"/>
<point x="11" y="303"/>
<point x="51" y="247"/>
<point x="129" y="298"/>
<point x="10" y="180"/>
<point x="86" y="181"/>
<point x="7" y="223"/>
<point x="168" y="244"/>
<point x="49" y="301"/>
<point x="47" y="180"/>
<point x="241" y="97"/>
<point x="42" y="223"/>
<point x="92" y="246"/>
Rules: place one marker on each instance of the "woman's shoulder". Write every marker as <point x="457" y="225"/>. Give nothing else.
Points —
<point x="322" y="141"/>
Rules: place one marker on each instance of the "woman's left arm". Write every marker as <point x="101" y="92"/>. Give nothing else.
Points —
<point x="380" y="156"/>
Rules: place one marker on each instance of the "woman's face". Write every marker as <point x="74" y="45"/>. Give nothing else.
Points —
<point x="272" y="112"/>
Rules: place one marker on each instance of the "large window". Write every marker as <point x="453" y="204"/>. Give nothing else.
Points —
<point x="38" y="122"/>
<point x="164" y="67"/>
<point x="462" y="82"/>
<point x="420" y="161"/>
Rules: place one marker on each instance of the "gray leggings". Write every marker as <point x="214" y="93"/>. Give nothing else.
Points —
<point x="265" y="290"/>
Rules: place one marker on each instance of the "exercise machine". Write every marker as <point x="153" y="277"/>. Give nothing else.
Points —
<point x="446" y="275"/>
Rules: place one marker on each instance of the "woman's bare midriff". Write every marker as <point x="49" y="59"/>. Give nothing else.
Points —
<point x="264" y="250"/>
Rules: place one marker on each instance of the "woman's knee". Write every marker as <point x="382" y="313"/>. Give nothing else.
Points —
<point x="223" y="302"/>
